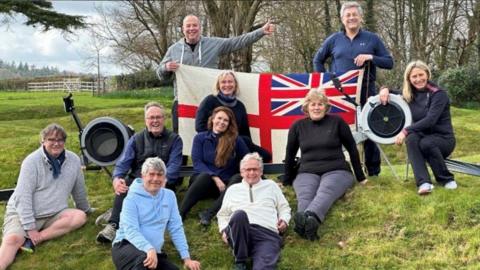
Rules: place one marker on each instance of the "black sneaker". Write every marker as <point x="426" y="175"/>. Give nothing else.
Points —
<point x="299" y="218"/>
<point x="311" y="227"/>
<point x="28" y="246"/>
<point x="240" y="266"/>
<point x="205" y="218"/>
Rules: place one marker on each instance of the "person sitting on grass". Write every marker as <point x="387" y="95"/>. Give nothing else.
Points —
<point x="323" y="175"/>
<point x="216" y="155"/>
<point x="38" y="209"/>
<point x="153" y="141"/>
<point x="253" y="214"/>
<point x="148" y="210"/>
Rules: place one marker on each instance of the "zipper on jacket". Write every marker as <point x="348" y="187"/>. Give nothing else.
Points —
<point x="251" y="194"/>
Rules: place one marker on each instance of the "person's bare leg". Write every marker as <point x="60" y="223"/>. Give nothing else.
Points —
<point x="10" y="245"/>
<point x="69" y="220"/>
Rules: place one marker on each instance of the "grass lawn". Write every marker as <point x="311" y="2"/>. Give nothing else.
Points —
<point x="383" y="225"/>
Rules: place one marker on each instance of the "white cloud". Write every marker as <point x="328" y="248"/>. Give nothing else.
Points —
<point x="22" y="43"/>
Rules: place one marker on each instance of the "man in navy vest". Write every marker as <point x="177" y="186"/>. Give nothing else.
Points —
<point x="153" y="141"/>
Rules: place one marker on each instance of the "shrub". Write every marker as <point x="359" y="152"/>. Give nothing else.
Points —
<point x="138" y="80"/>
<point x="462" y="84"/>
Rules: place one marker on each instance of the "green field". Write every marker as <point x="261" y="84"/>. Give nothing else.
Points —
<point x="383" y="225"/>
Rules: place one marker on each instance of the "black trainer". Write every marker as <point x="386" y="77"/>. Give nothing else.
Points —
<point x="300" y="218"/>
<point x="205" y="218"/>
<point x="311" y="226"/>
<point x="240" y="266"/>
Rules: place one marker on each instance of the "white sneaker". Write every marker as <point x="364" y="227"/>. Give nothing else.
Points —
<point x="425" y="188"/>
<point x="451" y="185"/>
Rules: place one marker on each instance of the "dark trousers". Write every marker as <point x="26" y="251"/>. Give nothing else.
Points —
<point x="117" y="204"/>
<point x="433" y="149"/>
<point x="372" y="157"/>
<point x="251" y="240"/>
<point x="175" y="116"/>
<point x="372" y="154"/>
<point x="127" y="256"/>
<point x="203" y="187"/>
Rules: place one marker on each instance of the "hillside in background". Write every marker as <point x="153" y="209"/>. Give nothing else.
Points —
<point x="24" y="70"/>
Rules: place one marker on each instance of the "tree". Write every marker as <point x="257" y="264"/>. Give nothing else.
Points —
<point x="39" y="12"/>
<point x="141" y="31"/>
<point x="94" y="51"/>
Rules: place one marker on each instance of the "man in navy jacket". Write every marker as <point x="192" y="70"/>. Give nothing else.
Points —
<point x="355" y="48"/>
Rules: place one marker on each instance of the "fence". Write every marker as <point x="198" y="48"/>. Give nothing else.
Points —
<point x="74" y="85"/>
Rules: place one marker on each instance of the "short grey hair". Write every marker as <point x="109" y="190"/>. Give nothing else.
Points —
<point x="254" y="156"/>
<point x="53" y="128"/>
<point x="351" y="4"/>
<point x="154" y="104"/>
<point x="154" y="163"/>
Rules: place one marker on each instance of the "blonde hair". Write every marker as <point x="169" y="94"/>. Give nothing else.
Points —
<point x="407" y="91"/>
<point x="315" y="94"/>
<point x="221" y="76"/>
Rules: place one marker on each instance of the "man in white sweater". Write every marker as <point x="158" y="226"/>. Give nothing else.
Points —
<point x="38" y="208"/>
<point x="253" y="214"/>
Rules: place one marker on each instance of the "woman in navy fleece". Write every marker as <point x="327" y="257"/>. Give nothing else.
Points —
<point x="216" y="155"/>
<point x="430" y="138"/>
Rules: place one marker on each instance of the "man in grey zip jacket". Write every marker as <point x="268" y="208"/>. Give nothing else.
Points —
<point x="197" y="50"/>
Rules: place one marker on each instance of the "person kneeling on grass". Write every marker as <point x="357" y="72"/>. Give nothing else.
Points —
<point x="147" y="211"/>
<point x="252" y="215"/>
<point x="38" y="208"/>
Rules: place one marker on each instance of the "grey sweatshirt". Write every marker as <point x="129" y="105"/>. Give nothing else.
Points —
<point x="39" y="195"/>
<point x="206" y="53"/>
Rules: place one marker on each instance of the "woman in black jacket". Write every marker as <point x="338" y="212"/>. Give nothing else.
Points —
<point x="430" y="138"/>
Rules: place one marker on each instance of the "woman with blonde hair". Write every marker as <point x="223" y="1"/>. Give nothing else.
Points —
<point x="430" y="137"/>
<point x="225" y="93"/>
<point x="323" y="174"/>
<point x="216" y="155"/>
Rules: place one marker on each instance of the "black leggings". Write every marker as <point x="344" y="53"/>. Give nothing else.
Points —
<point x="203" y="187"/>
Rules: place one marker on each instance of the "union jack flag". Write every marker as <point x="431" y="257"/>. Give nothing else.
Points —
<point x="273" y="101"/>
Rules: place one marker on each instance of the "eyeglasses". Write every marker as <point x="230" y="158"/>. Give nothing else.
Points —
<point x="152" y="118"/>
<point x="53" y="140"/>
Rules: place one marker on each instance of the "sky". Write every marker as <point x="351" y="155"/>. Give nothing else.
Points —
<point x="21" y="43"/>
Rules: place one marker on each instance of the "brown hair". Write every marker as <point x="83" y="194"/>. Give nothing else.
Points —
<point x="226" y="142"/>
<point x="53" y="129"/>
